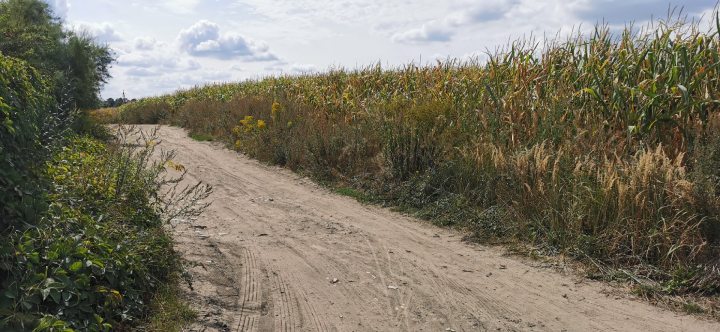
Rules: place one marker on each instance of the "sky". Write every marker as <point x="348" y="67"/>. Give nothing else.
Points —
<point x="165" y="45"/>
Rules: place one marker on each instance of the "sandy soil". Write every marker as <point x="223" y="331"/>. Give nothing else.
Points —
<point x="275" y="252"/>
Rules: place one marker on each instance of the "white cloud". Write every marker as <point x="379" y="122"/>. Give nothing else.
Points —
<point x="160" y="61"/>
<point x="59" y="7"/>
<point x="430" y="32"/>
<point x="203" y="39"/>
<point x="625" y="11"/>
<point x="292" y="68"/>
<point x="443" y="29"/>
<point x="137" y="85"/>
<point x="489" y="10"/>
<point x="215" y="76"/>
<point x="175" y="6"/>
<point x="142" y="72"/>
<point x="145" y="43"/>
<point x="303" y="68"/>
<point x="102" y="32"/>
<point x="182" y="5"/>
<point x="303" y="12"/>
<point x="708" y="20"/>
<point x="275" y="68"/>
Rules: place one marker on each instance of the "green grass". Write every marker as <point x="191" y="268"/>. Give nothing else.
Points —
<point x="168" y="310"/>
<point x="202" y="137"/>
<point x="693" y="308"/>
<point x="356" y="194"/>
<point x="100" y="255"/>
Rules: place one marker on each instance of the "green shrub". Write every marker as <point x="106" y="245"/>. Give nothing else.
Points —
<point x="100" y="253"/>
<point x="26" y="128"/>
<point x="82" y="245"/>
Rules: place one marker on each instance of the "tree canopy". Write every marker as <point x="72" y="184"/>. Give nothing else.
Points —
<point x="76" y="64"/>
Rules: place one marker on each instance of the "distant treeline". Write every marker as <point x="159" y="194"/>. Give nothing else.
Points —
<point x="110" y="102"/>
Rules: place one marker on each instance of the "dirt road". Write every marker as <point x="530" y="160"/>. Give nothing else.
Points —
<point x="275" y="252"/>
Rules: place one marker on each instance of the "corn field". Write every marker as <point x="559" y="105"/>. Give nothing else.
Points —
<point x="602" y="146"/>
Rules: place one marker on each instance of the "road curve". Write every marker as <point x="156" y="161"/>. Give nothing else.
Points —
<point x="275" y="252"/>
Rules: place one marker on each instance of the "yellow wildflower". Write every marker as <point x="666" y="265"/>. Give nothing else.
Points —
<point x="238" y="144"/>
<point x="247" y="121"/>
<point x="275" y="109"/>
<point x="261" y="124"/>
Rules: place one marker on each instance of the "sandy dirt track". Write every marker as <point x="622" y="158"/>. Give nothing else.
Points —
<point x="276" y="252"/>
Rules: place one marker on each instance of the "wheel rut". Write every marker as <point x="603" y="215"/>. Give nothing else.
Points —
<point x="252" y="303"/>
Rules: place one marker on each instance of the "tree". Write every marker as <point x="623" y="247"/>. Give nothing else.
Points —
<point x="30" y="32"/>
<point x="75" y="63"/>
<point x="89" y="65"/>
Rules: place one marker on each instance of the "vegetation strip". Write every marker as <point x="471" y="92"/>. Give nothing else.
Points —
<point x="83" y="244"/>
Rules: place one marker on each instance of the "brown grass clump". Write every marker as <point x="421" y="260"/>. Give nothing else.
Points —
<point x="105" y="115"/>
